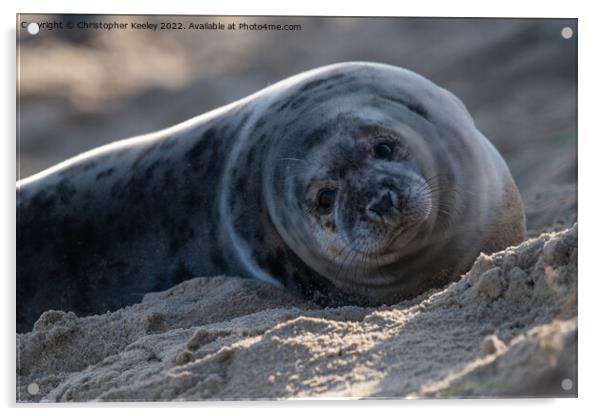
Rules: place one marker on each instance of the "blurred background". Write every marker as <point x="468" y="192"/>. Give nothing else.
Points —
<point x="81" y="88"/>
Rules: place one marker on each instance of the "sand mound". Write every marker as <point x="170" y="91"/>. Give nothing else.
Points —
<point x="508" y="327"/>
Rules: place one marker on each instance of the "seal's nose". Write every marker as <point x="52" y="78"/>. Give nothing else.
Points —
<point x="381" y="206"/>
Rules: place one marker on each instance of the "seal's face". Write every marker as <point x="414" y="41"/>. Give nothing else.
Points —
<point x="362" y="197"/>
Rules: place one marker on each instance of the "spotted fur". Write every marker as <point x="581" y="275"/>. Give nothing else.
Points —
<point x="233" y="192"/>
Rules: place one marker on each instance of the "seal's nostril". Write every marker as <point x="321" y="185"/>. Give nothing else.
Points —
<point x="374" y="210"/>
<point x="383" y="205"/>
<point x="389" y="199"/>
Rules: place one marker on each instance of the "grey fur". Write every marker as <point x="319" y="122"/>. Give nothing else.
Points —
<point x="234" y="191"/>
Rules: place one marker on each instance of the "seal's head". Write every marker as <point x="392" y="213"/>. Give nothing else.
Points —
<point x="356" y="201"/>
<point x="369" y="178"/>
<point x="363" y="195"/>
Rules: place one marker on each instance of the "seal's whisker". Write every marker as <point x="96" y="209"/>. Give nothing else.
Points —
<point x="428" y="182"/>
<point x="349" y="251"/>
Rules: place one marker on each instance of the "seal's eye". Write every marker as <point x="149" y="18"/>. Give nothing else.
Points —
<point x="383" y="150"/>
<point x="326" y="200"/>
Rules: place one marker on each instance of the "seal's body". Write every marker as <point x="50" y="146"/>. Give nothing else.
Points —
<point x="353" y="182"/>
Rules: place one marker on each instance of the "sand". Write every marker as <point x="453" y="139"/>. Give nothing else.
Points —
<point x="507" y="328"/>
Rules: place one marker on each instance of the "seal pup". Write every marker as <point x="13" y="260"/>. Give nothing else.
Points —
<point x="355" y="182"/>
